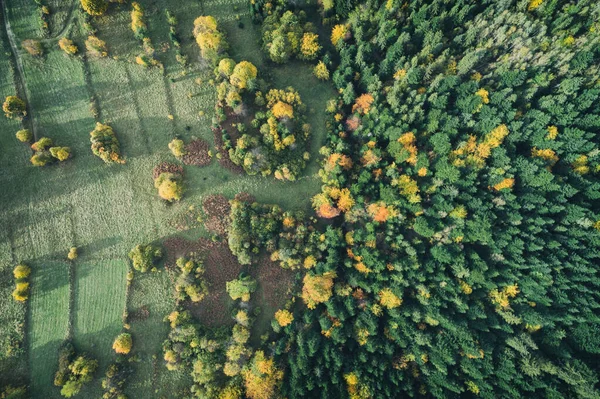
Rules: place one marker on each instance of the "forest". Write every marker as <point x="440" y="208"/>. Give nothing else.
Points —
<point x="229" y="199"/>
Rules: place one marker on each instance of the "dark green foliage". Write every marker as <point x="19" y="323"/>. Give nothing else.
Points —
<point x="475" y="180"/>
<point x="73" y="370"/>
<point x="144" y="257"/>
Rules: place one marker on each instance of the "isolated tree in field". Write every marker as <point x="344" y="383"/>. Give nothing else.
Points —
<point x="123" y="343"/>
<point x="14" y="107"/>
<point x="67" y="46"/>
<point x="72" y="255"/>
<point x="24" y="135"/>
<point x="170" y="186"/>
<point x="94" y="7"/>
<point x="144" y="257"/>
<point x="105" y="144"/>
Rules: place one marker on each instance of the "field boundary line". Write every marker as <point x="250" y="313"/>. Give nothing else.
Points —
<point x="20" y="84"/>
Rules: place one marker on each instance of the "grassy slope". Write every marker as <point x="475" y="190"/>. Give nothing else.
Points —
<point x="106" y="210"/>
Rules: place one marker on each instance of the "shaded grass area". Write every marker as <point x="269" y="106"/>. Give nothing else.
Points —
<point x="99" y="304"/>
<point x="48" y="324"/>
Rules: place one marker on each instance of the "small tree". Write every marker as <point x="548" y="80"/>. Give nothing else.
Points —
<point x="123" y="343"/>
<point x="321" y="71"/>
<point x="170" y="186"/>
<point x="143" y="257"/>
<point x="14" y="107"/>
<point x="67" y="46"/>
<point x="94" y="7"/>
<point x="242" y="73"/>
<point x="177" y="148"/>
<point x="42" y="144"/>
<point x="241" y="288"/>
<point x="96" y="47"/>
<point x="61" y="153"/>
<point x="72" y="255"/>
<point x="24" y="136"/>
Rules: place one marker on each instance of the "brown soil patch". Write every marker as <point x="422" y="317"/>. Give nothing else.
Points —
<point x="166" y="167"/>
<point x="245" y="197"/>
<point x="221" y="266"/>
<point x="197" y="153"/>
<point x="274" y="281"/>
<point x="216" y="208"/>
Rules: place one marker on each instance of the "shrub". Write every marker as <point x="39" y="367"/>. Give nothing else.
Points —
<point x="41" y="158"/>
<point x="60" y="153"/>
<point x="123" y="343"/>
<point x="96" y="47"/>
<point x="67" y="46"/>
<point x="177" y="147"/>
<point x="143" y="257"/>
<point x="42" y="144"/>
<point x="170" y="186"/>
<point x="72" y="255"/>
<point x="94" y="7"/>
<point x="33" y="47"/>
<point x="241" y="288"/>
<point x="14" y="107"/>
<point x="105" y="144"/>
<point x="321" y="71"/>
<point x="138" y="26"/>
<point x="24" y="135"/>
<point x="21" y="271"/>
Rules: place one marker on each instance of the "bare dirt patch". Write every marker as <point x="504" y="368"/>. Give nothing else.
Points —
<point x="216" y="209"/>
<point x="166" y="167"/>
<point x="197" y="153"/>
<point x="221" y="266"/>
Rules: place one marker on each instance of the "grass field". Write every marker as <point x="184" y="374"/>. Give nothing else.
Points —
<point x="48" y="323"/>
<point x="105" y="210"/>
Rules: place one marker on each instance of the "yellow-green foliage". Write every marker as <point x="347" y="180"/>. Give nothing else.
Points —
<point x="96" y="47"/>
<point x="138" y="26"/>
<point x="242" y="73"/>
<point x="72" y="255"/>
<point x="60" y="153"/>
<point x="321" y="71"/>
<point x="14" y="107"/>
<point x="21" y="273"/>
<point x="170" y="186"/>
<point x="177" y="148"/>
<point x="210" y="40"/>
<point x="67" y="46"/>
<point x="226" y="66"/>
<point x="24" y="135"/>
<point x="94" y="7"/>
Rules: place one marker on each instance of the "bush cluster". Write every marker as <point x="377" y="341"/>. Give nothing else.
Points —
<point x="145" y="257"/>
<point x="74" y="370"/>
<point x="105" y="144"/>
<point x="21" y="275"/>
